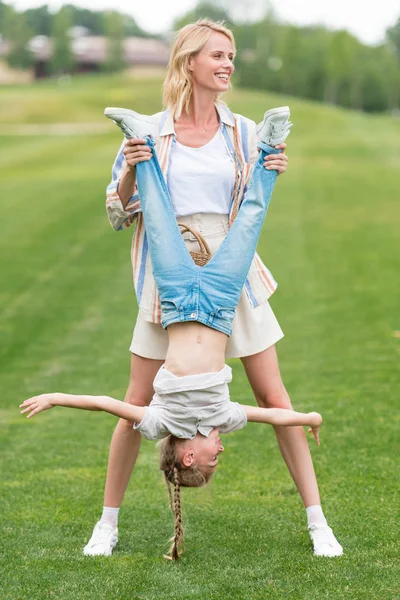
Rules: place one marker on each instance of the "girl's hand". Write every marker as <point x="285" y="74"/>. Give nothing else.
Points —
<point x="136" y="151"/>
<point x="277" y="161"/>
<point x="315" y="422"/>
<point x="36" y="404"/>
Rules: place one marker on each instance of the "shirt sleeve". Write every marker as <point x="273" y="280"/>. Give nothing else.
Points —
<point x="151" y="426"/>
<point x="253" y="141"/>
<point x="236" y="419"/>
<point x="120" y="217"/>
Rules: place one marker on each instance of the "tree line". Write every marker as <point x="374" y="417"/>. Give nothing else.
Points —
<point x="311" y="62"/>
<point x="19" y="28"/>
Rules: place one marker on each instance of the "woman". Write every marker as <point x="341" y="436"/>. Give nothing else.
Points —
<point x="200" y="69"/>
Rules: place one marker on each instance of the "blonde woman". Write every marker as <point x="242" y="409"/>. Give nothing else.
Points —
<point x="205" y="153"/>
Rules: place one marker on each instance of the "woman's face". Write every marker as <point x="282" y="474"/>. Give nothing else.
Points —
<point x="213" y="66"/>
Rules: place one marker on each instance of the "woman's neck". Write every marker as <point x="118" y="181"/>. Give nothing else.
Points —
<point x="202" y="114"/>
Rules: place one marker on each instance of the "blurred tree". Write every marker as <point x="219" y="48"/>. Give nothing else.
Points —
<point x="62" y="58"/>
<point x="203" y="10"/>
<point x="7" y="13"/>
<point x="94" y="21"/>
<point x="18" y="32"/>
<point x="39" y="20"/>
<point x="393" y="35"/>
<point x="114" y="30"/>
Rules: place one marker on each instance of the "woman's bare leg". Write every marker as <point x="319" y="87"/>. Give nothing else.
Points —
<point x="125" y="442"/>
<point x="124" y="450"/>
<point x="262" y="370"/>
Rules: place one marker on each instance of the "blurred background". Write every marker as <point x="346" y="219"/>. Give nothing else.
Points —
<point x="341" y="53"/>
<point x="67" y="305"/>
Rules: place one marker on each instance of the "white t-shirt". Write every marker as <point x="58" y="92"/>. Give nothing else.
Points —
<point x="201" y="179"/>
<point x="183" y="406"/>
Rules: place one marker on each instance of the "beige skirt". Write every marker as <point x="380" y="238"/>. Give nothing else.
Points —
<point x="253" y="329"/>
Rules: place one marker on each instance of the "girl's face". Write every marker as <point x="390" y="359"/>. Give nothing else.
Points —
<point x="213" y="66"/>
<point x="201" y="451"/>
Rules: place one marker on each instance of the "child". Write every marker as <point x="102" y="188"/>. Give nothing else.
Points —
<point x="191" y="405"/>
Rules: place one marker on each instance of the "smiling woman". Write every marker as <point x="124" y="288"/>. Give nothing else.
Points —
<point x="204" y="159"/>
<point x="206" y="154"/>
<point x="201" y="58"/>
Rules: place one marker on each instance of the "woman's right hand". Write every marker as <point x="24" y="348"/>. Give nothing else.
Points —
<point x="136" y="151"/>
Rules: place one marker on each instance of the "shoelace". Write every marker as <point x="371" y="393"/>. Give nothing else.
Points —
<point x="324" y="534"/>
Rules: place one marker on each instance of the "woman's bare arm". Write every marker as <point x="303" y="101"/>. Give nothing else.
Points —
<point x="284" y="417"/>
<point x="37" y="404"/>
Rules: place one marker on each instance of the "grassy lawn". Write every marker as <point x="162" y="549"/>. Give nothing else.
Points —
<point x="67" y="311"/>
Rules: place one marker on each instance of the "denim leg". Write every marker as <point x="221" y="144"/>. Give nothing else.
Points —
<point x="224" y="276"/>
<point x="171" y="262"/>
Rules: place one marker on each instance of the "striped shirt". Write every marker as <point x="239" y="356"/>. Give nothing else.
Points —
<point x="260" y="284"/>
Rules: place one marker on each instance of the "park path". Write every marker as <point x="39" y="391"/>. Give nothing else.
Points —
<point x="34" y="129"/>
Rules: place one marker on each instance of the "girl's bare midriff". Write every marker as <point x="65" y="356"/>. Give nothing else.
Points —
<point x="194" y="348"/>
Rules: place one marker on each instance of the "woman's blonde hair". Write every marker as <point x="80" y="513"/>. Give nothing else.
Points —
<point x="178" y="86"/>
<point x="179" y="476"/>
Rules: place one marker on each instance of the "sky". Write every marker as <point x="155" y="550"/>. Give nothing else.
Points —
<point x="368" y="20"/>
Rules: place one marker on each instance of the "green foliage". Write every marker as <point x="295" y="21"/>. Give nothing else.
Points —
<point x="114" y="30"/>
<point x="62" y="58"/>
<point x="40" y="20"/>
<point x="313" y="62"/>
<point x="18" y="31"/>
<point x="310" y="62"/>
<point x="393" y="35"/>
<point x="203" y="10"/>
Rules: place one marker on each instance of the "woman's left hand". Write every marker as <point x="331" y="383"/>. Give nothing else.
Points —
<point x="277" y="161"/>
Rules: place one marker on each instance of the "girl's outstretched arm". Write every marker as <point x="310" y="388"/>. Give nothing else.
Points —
<point x="284" y="417"/>
<point x="37" y="404"/>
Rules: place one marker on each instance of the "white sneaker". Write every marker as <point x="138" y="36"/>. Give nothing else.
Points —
<point x="103" y="541"/>
<point x="132" y="124"/>
<point x="324" y="542"/>
<point x="275" y="127"/>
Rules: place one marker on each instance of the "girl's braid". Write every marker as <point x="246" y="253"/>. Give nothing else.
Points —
<point x="177" y="542"/>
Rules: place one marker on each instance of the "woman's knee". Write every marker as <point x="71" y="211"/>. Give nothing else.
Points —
<point x="274" y="398"/>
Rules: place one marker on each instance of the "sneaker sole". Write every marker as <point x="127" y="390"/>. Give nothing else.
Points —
<point x="113" y="112"/>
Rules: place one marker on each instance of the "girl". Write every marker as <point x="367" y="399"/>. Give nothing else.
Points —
<point x="191" y="405"/>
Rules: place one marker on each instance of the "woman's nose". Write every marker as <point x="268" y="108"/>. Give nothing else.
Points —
<point x="221" y="448"/>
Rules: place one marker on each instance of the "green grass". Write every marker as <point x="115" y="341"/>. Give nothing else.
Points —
<point x="67" y="313"/>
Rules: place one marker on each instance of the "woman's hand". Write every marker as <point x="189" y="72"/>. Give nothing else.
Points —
<point x="36" y="404"/>
<point x="136" y="151"/>
<point x="277" y="161"/>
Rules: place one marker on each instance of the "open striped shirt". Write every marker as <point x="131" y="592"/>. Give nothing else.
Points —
<point x="260" y="284"/>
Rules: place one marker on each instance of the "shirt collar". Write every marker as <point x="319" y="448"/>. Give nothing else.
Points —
<point x="167" y="121"/>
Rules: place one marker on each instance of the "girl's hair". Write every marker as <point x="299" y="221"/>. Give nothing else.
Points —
<point x="178" y="86"/>
<point x="178" y="476"/>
